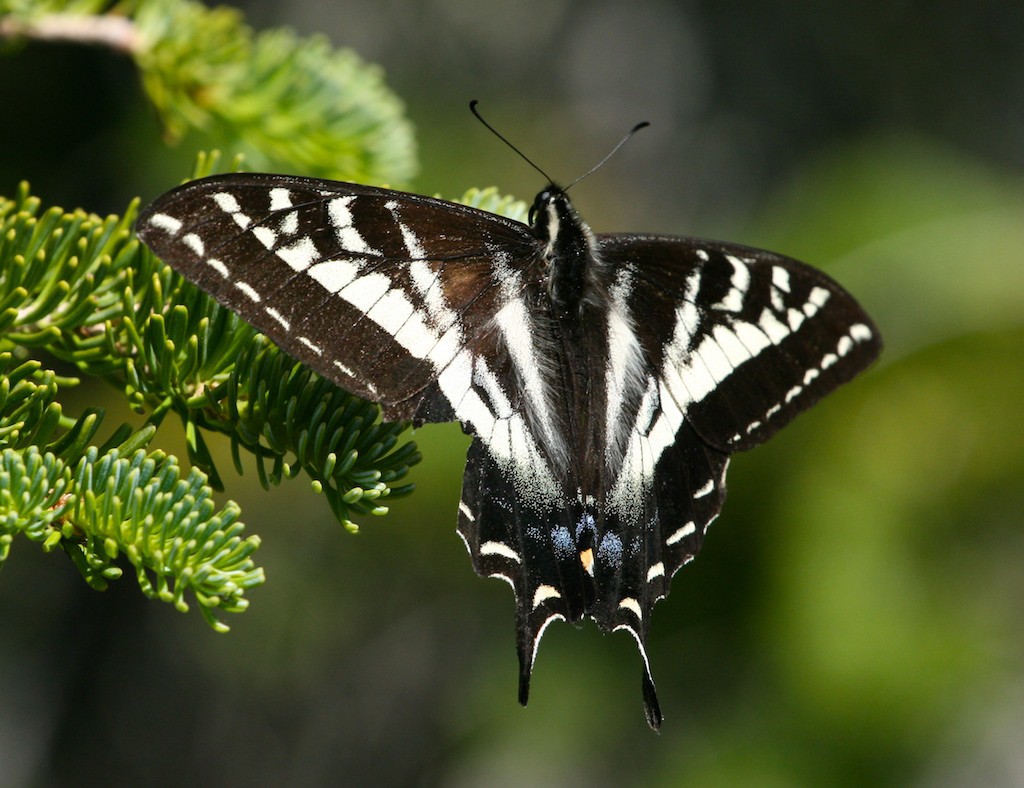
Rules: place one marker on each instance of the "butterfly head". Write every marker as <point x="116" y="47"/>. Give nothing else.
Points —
<point x="568" y="248"/>
<point x="539" y="211"/>
<point x="555" y="222"/>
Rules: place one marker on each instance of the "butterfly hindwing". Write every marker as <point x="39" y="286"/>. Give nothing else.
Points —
<point x="528" y="545"/>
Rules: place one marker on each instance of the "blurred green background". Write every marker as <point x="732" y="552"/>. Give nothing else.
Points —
<point x="855" y="616"/>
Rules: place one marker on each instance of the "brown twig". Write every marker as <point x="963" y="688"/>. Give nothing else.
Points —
<point x="116" y="32"/>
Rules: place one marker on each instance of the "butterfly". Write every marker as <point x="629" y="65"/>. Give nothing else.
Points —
<point x="605" y="379"/>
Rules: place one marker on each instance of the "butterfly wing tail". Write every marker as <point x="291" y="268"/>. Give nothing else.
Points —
<point x="528" y="546"/>
<point x="652" y="522"/>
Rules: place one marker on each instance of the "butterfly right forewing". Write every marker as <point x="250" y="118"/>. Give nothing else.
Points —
<point x="743" y="339"/>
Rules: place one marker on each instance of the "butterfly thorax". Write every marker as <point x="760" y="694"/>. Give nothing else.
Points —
<point x="573" y="339"/>
<point x="570" y="251"/>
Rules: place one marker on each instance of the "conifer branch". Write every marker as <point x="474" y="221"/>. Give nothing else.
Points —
<point x="112" y="32"/>
<point x="286" y="101"/>
<point x="81" y="288"/>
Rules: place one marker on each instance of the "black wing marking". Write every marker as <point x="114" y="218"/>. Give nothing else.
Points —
<point x="582" y="557"/>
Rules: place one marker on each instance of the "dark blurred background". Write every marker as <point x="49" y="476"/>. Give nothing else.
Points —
<point x="855" y="616"/>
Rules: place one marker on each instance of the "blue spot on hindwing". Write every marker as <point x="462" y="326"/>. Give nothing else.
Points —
<point x="610" y="550"/>
<point x="585" y="525"/>
<point x="562" y="541"/>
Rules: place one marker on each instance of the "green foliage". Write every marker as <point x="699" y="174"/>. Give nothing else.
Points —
<point x="288" y="100"/>
<point x="31" y="486"/>
<point x="491" y="200"/>
<point x="166" y="527"/>
<point x="33" y="9"/>
<point x="275" y="407"/>
<point x="84" y="290"/>
<point x="81" y="289"/>
<point x="60" y="274"/>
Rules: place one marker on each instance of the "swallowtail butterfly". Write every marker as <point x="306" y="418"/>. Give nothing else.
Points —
<point x="605" y="379"/>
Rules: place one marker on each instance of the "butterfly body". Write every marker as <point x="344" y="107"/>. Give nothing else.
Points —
<point x="605" y="379"/>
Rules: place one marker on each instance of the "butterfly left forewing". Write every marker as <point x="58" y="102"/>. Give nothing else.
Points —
<point x="339" y="277"/>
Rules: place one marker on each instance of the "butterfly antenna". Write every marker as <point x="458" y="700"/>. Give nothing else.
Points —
<point x="592" y="170"/>
<point x="500" y="136"/>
